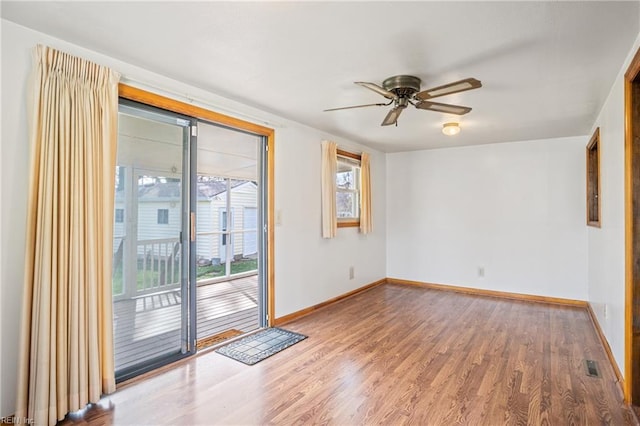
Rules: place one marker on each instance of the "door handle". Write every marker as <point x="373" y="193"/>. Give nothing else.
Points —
<point x="193" y="226"/>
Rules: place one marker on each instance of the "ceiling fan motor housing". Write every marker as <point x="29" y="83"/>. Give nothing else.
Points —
<point x="402" y="85"/>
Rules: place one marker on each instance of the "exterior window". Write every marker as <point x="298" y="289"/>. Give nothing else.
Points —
<point x="119" y="215"/>
<point x="348" y="189"/>
<point x="163" y="216"/>
<point x="593" y="180"/>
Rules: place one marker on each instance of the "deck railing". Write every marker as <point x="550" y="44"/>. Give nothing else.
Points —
<point x="158" y="267"/>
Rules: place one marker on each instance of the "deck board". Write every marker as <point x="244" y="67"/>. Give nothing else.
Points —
<point x="149" y="326"/>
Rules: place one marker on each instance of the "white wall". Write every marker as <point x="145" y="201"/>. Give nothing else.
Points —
<point x="2" y="412"/>
<point x="514" y="209"/>
<point x="606" y="276"/>
<point x="316" y="268"/>
<point x="308" y="269"/>
<point x="14" y="162"/>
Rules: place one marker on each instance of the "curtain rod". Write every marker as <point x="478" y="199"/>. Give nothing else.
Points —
<point x="194" y="100"/>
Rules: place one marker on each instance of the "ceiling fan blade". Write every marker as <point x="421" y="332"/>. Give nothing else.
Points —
<point x="392" y="116"/>
<point x="355" y="106"/>
<point x="448" y="108"/>
<point x="448" y="89"/>
<point x="371" y="86"/>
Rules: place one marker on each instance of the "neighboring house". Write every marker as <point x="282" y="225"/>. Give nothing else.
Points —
<point x="159" y="217"/>
<point x="214" y="218"/>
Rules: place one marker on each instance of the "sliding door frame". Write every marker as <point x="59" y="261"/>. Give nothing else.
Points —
<point x="187" y="321"/>
<point x="159" y="101"/>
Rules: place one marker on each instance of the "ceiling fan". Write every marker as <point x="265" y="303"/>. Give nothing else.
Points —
<point x="402" y="90"/>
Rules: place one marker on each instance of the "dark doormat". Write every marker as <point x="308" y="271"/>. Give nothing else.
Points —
<point x="261" y="345"/>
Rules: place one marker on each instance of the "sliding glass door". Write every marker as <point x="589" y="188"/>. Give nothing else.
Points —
<point x="229" y="247"/>
<point x="152" y="321"/>
<point x="190" y="243"/>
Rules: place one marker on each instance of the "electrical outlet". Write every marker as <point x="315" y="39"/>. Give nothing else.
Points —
<point x="480" y="271"/>
<point x="351" y="272"/>
<point x="604" y="311"/>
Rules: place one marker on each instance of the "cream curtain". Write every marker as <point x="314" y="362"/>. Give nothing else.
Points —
<point x="366" y="225"/>
<point x="329" y="166"/>
<point x="66" y="352"/>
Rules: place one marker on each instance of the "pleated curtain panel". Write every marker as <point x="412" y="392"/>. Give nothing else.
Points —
<point x="66" y="351"/>
<point x="329" y="169"/>
<point x="366" y="225"/>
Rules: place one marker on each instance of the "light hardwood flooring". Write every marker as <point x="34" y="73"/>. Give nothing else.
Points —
<point x="395" y="355"/>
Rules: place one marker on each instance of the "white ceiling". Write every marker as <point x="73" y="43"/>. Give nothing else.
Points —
<point x="546" y="67"/>
<point x="221" y="152"/>
<point x="228" y="153"/>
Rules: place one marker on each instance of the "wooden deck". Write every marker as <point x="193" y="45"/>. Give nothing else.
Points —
<point x="149" y="326"/>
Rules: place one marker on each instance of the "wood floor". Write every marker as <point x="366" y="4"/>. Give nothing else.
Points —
<point x="395" y="355"/>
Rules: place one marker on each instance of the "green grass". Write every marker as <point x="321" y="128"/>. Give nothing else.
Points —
<point x="237" y="267"/>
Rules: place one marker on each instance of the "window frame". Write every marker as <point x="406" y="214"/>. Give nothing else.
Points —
<point x="163" y="216"/>
<point x="594" y="187"/>
<point x="204" y="113"/>
<point x="351" y="222"/>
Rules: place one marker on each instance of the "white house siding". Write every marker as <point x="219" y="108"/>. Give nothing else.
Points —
<point x="149" y="229"/>
<point x="242" y="196"/>
<point x="250" y="239"/>
<point x="148" y="226"/>
<point x="208" y="220"/>
<point x="204" y="224"/>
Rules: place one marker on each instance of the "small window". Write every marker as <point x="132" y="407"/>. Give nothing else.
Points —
<point x="119" y="215"/>
<point x="593" y="180"/>
<point x="163" y="216"/>
<point x="348" y="189"/>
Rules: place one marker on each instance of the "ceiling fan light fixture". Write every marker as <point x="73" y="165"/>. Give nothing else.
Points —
<point x="451" y="129"/>
<point x="404" y="90"/>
